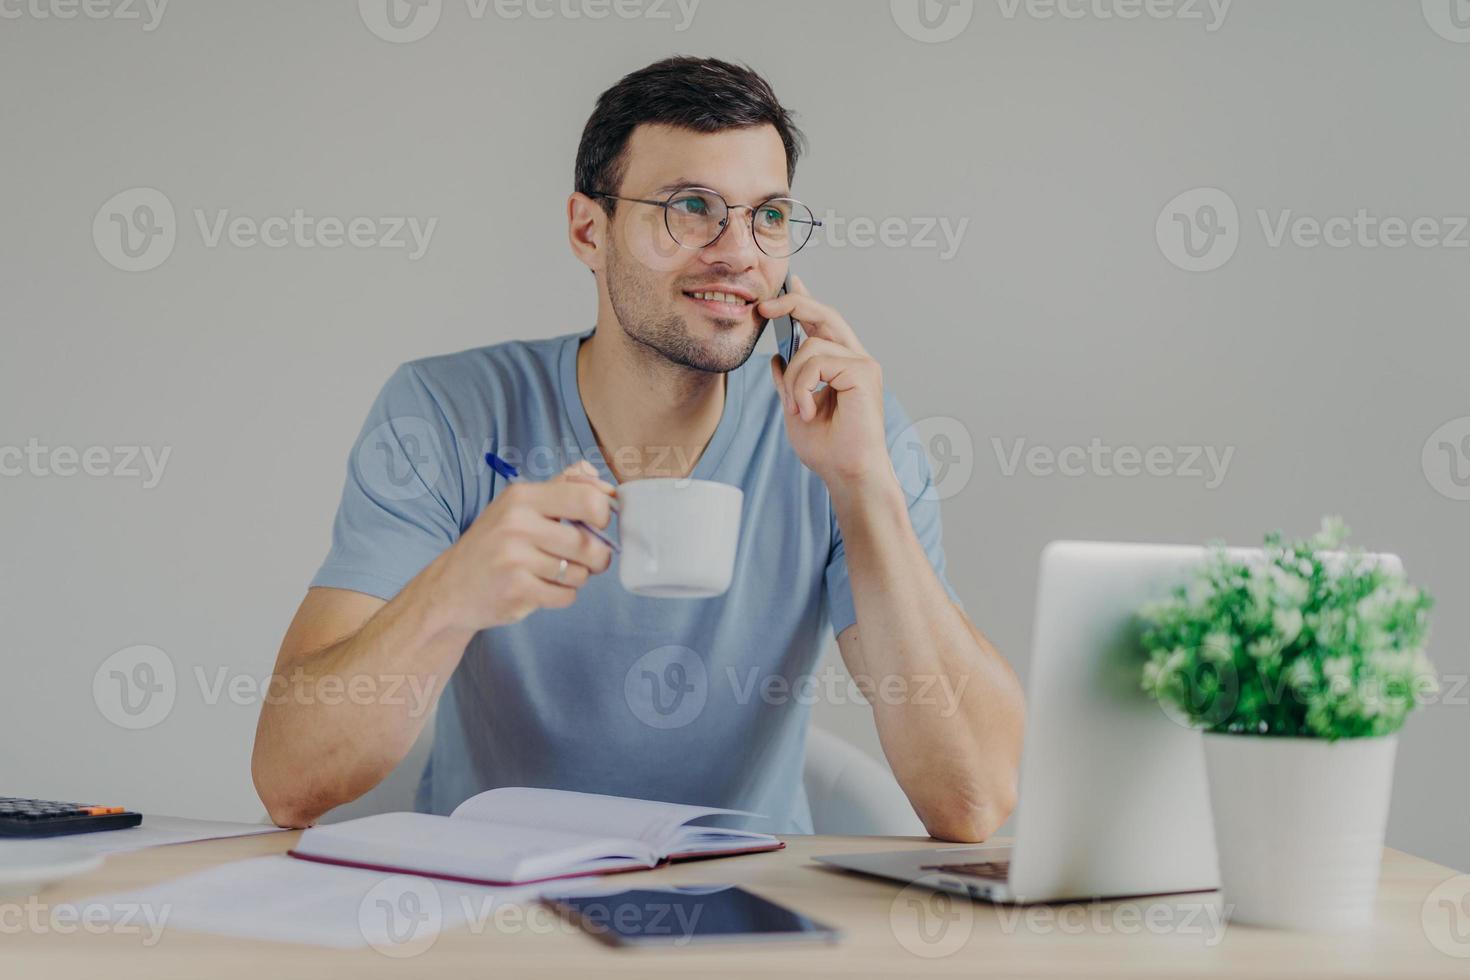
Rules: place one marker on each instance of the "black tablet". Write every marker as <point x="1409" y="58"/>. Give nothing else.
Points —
<point x="687" y="915"/>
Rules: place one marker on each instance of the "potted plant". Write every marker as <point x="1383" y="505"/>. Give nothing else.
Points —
<point x="1299" y="666"/>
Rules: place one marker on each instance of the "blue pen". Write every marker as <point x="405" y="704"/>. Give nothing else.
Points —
<point x="512" y="475"/>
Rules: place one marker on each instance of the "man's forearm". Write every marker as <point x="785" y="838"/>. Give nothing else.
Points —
<point x="950" y="717"/>
<point x="338" y="720"/>
<point x="312" y="751"/>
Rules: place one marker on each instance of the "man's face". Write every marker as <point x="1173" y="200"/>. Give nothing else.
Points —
<point x="652" y="282"/>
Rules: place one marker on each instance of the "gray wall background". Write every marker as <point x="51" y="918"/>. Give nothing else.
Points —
<point x="1061" y="317"/>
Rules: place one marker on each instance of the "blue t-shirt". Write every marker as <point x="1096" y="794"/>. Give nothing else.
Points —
<point x="701" y="701"/>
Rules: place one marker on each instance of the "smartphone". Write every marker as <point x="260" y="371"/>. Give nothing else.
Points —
<point x="788" y="331"/>
<point x="688" y="915"/>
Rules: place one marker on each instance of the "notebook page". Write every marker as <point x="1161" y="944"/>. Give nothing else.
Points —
<point x="702" y="840"/>
<point x="438" y="845"/>
<point x="656" y="824"/>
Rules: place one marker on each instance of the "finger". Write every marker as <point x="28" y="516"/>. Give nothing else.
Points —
<point x="817" y="319"/>
<point x="840" y="374"/>
<point x="572" y="543"/>
<point x="583" y="470"/>
<point x="820" y="320"/>
<point x="812" y="349"/>
<point x="545" y="594"/>
<point x="574" y="500"/>
<point x="549" y="568"/>
<point x="819" y="346"/>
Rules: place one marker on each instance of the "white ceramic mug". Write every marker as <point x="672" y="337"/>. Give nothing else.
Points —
<point x="678" y="537"/>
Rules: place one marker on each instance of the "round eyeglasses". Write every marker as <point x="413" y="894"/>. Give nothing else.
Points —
<point x="696" y="217"/>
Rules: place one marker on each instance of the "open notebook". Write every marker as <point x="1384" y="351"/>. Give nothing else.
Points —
<point x="516" y="835"/>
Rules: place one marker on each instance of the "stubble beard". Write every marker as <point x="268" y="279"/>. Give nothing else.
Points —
<point x="666" y="333"/>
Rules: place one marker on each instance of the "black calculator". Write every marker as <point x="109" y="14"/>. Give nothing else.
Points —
<point x="20" y="817"/>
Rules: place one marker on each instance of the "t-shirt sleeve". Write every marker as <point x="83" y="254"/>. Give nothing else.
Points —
<point x="401" y="501"/>
<point x="911" y="464"/>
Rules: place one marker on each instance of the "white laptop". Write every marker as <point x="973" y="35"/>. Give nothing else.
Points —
<point x="1113" y="798"/>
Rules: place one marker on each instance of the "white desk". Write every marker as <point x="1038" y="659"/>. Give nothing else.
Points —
<point x="882" y="939"/>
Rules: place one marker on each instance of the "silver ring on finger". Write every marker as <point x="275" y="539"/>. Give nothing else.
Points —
<point x="561" y="572"/>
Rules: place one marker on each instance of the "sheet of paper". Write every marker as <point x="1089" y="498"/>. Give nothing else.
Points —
<point x="154" y="831"/>
<point x="283" y="899"/>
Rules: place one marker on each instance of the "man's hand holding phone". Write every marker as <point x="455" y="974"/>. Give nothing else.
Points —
<point x="837" y="430"/>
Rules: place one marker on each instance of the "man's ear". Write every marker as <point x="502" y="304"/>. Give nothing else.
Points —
<point x="587" y="230"/>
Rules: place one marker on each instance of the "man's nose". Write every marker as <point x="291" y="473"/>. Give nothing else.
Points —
<point x="736" y="245"/>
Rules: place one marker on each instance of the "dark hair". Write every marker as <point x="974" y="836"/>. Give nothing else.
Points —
<point x="703" y="94"/>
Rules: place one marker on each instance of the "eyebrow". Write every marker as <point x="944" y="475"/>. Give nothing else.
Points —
<point x="673" y="185"/>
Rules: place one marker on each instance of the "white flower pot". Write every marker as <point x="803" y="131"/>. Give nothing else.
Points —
<point x="1299" y="826"/>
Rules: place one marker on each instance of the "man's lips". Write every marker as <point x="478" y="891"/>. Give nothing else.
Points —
<point x="722" y="302"/>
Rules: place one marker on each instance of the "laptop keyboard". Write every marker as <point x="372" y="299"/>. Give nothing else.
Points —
<point x="990" y="870"/>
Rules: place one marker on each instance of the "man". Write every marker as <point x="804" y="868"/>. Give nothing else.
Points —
<point x="682" y="212"/>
